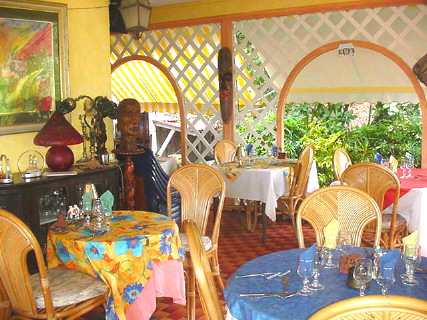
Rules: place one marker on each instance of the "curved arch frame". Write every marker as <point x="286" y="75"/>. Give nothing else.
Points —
<point x="176" y="89"/>
<point x="362" y="44"/>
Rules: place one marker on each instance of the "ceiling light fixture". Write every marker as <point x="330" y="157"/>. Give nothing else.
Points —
<point x="136" y="15"/>
<point x="345" y="49"/>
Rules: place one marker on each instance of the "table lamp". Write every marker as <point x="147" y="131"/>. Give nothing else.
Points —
<point x="58" y="133"/>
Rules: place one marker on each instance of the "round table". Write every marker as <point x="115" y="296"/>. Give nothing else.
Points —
<point x="300" y="307"/>
<point x="126" y="259"/>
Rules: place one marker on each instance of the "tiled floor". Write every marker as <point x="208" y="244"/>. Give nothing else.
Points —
<point x="236" y="246"/>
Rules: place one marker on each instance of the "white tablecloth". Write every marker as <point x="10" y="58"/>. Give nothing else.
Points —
<point x="265" y="185"/>
<point x="168" y="164"/>
<point x="413" y="206"/>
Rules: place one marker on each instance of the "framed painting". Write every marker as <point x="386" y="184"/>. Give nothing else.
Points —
<point x="33" y="63"/>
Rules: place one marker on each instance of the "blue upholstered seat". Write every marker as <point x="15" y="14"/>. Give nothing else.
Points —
<point x="155" y="182"/>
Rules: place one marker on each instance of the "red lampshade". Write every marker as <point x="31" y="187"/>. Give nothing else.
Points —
<point x="58" y="133"/>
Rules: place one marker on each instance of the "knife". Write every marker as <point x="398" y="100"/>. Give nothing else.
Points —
<point x="265" y="274"/>
<point x="421" y="270"/>
<point x="269" y="294"/>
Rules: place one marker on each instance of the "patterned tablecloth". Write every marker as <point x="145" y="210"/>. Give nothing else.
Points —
<point x="123" y="257"/>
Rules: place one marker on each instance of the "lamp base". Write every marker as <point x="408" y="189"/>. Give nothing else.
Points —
<point x="59" y="158"/>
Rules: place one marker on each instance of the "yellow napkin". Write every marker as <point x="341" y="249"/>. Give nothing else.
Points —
<point x="330" y="232"/>
<point x="411" y="240"/>
<point x="393" y="164"/>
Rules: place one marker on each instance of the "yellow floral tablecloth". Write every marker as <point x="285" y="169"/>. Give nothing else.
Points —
<point x="122" y="258"/>
<point x="232" y="170"/>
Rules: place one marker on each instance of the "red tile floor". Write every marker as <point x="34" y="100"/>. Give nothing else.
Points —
<point x="236" y="246"/>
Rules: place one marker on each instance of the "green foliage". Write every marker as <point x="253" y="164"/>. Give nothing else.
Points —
<point x="392" y="129"/>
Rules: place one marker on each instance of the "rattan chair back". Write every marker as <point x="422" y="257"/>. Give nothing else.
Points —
<point x="352" y="207"/>
<point x="16" y="242"/>
<point x="288" y="204"/>
<point x="205" y="282"/>
<point x="374" y="307"/>
<point x="225" y="151"/>
<point x="197" y="185"/>
<point x="376" y="180"/>
<point x="340" y="161"/>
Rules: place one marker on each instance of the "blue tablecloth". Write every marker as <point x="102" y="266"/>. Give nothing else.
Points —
<point x="300" y="307"/>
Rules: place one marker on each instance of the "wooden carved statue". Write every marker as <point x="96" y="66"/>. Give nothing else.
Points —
<point x="128" y="122"/>
<point x="225" y="75"/>
<point x="420" y="69"/>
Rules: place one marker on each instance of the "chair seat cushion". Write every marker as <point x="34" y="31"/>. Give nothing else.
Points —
<point x="400" y="221"/>
<point x="67" y="287"/>
<point x="207" y="242"/>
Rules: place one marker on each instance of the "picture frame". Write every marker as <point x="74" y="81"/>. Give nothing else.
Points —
<point x="34" y="71"/>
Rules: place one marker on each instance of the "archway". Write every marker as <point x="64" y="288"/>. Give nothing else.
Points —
<point x="175" y="87"/>
<point x="362" y="44"/>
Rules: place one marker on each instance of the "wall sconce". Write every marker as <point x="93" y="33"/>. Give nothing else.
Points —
<point x="59" y="134"/>
<point x="136" y="15"/>
<point x="345" y="49"/>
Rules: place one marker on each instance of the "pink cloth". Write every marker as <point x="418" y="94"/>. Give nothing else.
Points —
<point x="167" y="281"/>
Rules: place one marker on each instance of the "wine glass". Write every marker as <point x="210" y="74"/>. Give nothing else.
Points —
<point x="329" y="252"/>
<point x="344" y="241"/>
<point x="318" y="261"/>
<point x="385" y="279"/>
<point x="362" y="273"/>
<point x="98" y="212"/>
<point x="411" y="257"/>
<point x="409" y="167"/>
<point x="404" y="167"/>
<point x="306" y="271"/>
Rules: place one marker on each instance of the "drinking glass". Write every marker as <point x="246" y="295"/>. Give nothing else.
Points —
<point x="404" y="167"/>
<point x="344" y="241"/>
<point x="305" y="271"/>
<point x="411" y="256"/>
<point x="318" y="261"/>
<point x="362" y="273"/>
<point x="98" y="213"/>
<point x="409" y="167"/>
<point x="385" y="279"/>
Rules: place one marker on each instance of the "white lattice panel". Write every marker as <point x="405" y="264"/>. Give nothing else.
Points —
<point x="282" y="42"/>
<point x="190" y="54"/>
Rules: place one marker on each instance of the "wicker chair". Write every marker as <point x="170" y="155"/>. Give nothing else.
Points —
<point x="225" y="151"/>
<point x="376" y="180"/>
<point x="205" y="281"/>
<point x="198" y="184"/>
<point x="288" y="204"/>
<point x="375" y="307"/>
<point x="340" y="161"/>
<point x="55" y="293"/>
<point x="352" y="207"/>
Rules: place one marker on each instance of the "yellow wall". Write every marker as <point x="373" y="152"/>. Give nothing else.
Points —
<point x="213" y="8"/>
<point x="89" y="69"/>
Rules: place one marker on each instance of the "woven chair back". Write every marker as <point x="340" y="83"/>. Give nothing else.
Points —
<point x="198" y="184"/>
<point x="205" y="282"/>
<point x="16" y="241"/>
<point x="225" y="151"/>
<point x="374" y="307"/>
<point x="340" y="161"/>
<point x="352" y="207"/>
<point x="302" y="169"/>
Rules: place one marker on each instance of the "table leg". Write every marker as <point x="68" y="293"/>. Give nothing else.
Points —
<point x="264" y="222"/>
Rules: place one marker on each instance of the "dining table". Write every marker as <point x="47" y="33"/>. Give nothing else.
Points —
<point x="140" y="257"/>
<point x="298" y="307"/>
<point x="412" y="203"/>
<point x="262" y="179"/>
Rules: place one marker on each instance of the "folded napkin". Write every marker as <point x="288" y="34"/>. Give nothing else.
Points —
<point x="107" y="202"/>
<point x="393" y="164"/>
<point x="389" y="259"/>
<point x="411" y="240"/>
<point x="309" y="254"/>
<point x="249" y="149"/>
<point x="330" y="232"/>
<point x="378" y="158"/>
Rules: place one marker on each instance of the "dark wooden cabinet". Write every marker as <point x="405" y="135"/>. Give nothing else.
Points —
<point x="37" y="201"/>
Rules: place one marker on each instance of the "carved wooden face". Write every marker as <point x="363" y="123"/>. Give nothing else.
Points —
<point x="129" y="117"/>
<point x="225" y="75"/>
<point x="420" y="69"/>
